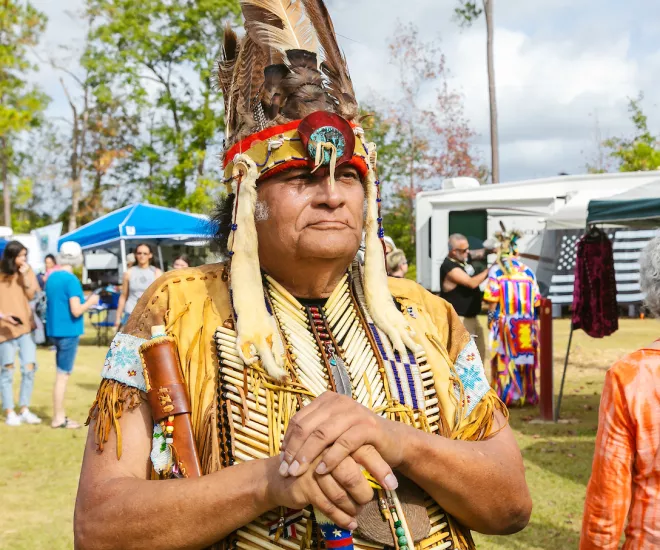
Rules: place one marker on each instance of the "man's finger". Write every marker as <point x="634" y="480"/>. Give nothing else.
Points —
<point x="319" y="432"/>
<point x="332" y="511"/>
<point x="348" y="474"/>
<point x="350" y="442"/>
<point x="305" y="411"/>
<point x="298" y="431"/>
<point x="370" y="459"/>
<point x="310" y="436"/>
<point x="337" y="495"/>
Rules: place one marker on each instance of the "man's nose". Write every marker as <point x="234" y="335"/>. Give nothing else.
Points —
<point x="329" y="193"/>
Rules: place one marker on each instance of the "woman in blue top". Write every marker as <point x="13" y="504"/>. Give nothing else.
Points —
<point x="65" y="324"/>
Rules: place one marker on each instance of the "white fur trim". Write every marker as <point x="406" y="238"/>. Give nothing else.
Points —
<point x="258" y="338"/>
<point x="376" y="292"/>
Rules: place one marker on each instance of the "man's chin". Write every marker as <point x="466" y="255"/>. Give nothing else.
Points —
<point x="329" y="247"/>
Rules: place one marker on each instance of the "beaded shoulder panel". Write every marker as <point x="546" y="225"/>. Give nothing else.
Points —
<point x="123" y="363"/>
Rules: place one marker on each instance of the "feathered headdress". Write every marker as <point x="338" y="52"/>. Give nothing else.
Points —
<point x="508" y="246"/>
<point x="289" y="102"/>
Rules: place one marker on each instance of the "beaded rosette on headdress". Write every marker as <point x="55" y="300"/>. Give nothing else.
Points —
<point x="289" y="103"/>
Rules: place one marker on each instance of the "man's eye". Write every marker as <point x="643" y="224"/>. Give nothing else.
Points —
<point x="348" y="176"/>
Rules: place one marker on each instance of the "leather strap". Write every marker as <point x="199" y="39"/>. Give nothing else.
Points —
<point x="169" y="400"/>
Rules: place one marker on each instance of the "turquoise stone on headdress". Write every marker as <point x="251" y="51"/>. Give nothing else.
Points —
<point x="326" y="134"/>
<point x="321" y="128"/>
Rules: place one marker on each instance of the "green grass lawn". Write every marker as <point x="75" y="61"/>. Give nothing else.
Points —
<point x="40" y="466"/>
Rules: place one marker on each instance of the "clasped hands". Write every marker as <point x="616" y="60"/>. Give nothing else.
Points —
<point x="326" y="445"/>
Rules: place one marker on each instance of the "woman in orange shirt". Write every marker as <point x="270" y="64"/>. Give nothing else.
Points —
<point x="625" y="476"/>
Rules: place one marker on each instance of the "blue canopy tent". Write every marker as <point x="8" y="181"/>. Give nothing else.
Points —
<point x="140" y="222"/>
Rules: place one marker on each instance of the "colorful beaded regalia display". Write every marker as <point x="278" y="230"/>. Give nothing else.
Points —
<point x="513" y="324"/>
<point x="252" y="354"/>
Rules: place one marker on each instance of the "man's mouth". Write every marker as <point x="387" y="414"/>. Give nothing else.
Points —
<point x="328" y="224"/>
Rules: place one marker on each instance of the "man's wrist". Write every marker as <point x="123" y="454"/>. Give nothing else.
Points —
<point x="266" y="486"/>
<point x="404" y="439"/>
<point x="414" y="449"/>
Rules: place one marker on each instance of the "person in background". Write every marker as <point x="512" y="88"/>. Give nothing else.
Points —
<point x="50" y="262"/>
<point x="624" y="489"/>
<point x="460" y="286"/>
<point x="65" y="324"/>
<point x="389" y="244"/>
<point x="513" y="298"/>
<point x="49" y="267"/>
<point x="18" y="285"/>
<point x="130" y="260"/>
<point x="136" y="280"/>
<point x="397" y="264"/>
<point x="181" y="262"/>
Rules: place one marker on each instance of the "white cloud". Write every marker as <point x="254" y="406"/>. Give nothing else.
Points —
<point x="558" y="62"/>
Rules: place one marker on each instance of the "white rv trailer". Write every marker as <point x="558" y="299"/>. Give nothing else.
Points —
<point x="464" y="206"/>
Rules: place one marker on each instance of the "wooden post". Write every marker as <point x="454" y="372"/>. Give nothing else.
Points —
<point x="545" y="360"/>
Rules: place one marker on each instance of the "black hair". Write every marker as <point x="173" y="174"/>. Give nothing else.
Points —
<point x="51" y="257"/>
<point x="220" y="224"/>
<point x="144" y="244"/>
<point x="8" y="262"/>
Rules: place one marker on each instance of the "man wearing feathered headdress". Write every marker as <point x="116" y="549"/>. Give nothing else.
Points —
<point x="514" y="297"/>
<point x="328" y="406"/>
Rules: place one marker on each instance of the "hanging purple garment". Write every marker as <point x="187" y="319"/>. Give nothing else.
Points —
<point x="594" y="293"/>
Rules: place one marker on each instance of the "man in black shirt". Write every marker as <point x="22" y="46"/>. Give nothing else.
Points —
<point x="460" y="286"/>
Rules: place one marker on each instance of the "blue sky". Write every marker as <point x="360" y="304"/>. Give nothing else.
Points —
<point x="560" y="66"/>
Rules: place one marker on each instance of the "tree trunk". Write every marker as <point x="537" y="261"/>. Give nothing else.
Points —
<point x="75" y="178"/>
<point x="494" y="140"/>
<point x="412" y="185"/>
<point x="75" y="204"/>
<point x="6" y="187"/>
<point x="97" y="195"/>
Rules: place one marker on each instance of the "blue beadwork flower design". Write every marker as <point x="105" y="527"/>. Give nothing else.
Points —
<point x="123" y="363"/>
<point x="470" y="370"/>
<point x="326" y="134"/>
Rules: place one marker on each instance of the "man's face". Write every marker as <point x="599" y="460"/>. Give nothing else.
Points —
<point x="460" y="250"/>
<point x="307" y="219"/>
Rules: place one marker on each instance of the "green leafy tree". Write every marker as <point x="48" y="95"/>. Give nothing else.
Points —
<point x="21" y="103"/>
<point x="160" y="55"/>
<point x="641" y="152"/>
<point x="382" y="131"/>
<point x="467" y="12"/>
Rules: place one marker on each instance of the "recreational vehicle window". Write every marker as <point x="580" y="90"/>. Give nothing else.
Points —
<point x="471" y="223"/>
